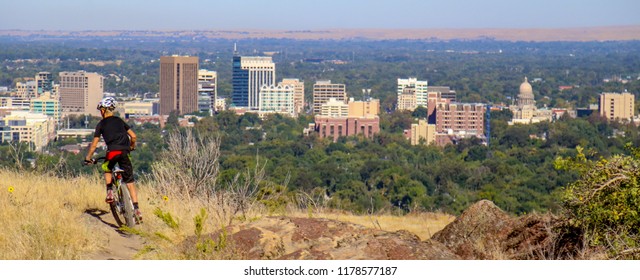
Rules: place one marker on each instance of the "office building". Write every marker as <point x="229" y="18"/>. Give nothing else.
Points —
<point x="298" y="93"/>
<point x="619" y="106"/>
<point x="323" y="91"/>
<point x="407" y="99"/>
<point x="335" y="127"/>
<point x="423" y="133"/>
<point x="250" y="73"/>
<point x="21" y="126"/>
<point x="178" y="84"/>
<point x="370" y="107"/>
<point x="420" y="87"/>
<point x="80" y="92"/>
<point x="207" y="90"/>
<point x="459" y="120"/>
<point x="44" y="83"/>
<point x="46" y="105"/>
<point x="278" y="99"/>
<point x="27" y="90"/>
<point x="334" y="108"/>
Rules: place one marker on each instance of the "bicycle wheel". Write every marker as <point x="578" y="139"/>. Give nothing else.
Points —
<point x="122" y="206"/>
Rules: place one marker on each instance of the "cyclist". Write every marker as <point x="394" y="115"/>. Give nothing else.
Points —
<point x="120" y="140"/>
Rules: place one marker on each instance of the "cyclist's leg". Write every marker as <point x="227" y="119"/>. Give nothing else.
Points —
<point x="124" y="162"/>
<point x="107" y="166"/>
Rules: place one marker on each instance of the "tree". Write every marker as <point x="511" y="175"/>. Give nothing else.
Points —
<point x="605" y="202"/>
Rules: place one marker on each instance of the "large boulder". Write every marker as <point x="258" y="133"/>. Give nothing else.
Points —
<point x="484" y="231"/>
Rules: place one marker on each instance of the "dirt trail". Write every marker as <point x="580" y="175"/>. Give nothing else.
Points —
<point x="115" y="244"/>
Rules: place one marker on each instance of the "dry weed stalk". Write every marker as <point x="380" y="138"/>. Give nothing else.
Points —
<point x="189" y="166"/>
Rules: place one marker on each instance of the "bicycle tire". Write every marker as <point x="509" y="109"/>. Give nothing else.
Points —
<point x="122" y="206"/>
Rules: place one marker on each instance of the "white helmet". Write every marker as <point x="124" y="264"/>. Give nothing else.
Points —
<point x="108" y="103"/>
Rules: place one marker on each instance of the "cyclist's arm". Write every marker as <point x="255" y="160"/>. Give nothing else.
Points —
<point x="92" y="148"/>
<point x="132" y="136"/>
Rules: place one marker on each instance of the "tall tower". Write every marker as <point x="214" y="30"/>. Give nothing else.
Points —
<point x="80" y="92"/>
<point x="250" y="73"/>
<point x="178" y="84"/>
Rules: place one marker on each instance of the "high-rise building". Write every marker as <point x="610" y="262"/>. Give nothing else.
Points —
<point x="178" y="84"/>
<point x="44" y="82"/>
<point x="421" y="89"/>
<point x="460" y="119"/>
<point x="207" y="90"/>
<point x="80" y="92"/>
<point x="298" y="93"/>
<point x="617" y="105"/>
<point x="325" y="90"/>
<point x="250" y="73"/>
<point x="277" y="99"/>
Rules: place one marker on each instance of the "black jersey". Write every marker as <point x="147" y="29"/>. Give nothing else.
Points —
<point x="114" y="132"/>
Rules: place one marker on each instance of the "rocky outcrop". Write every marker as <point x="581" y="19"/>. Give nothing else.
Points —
<point x="288" y="238"/>
<point x="483" y="231"/>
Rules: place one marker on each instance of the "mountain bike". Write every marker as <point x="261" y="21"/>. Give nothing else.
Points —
<point x="122" y="205"/>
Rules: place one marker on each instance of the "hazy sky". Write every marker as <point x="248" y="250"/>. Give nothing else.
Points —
<point x="305" y="14"/>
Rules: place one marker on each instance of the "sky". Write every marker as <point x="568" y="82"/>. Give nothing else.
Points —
<point x="312" y="15"/>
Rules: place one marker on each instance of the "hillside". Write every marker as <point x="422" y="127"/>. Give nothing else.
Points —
<point x="65" y="219"/>
<point x="609" y="33"/>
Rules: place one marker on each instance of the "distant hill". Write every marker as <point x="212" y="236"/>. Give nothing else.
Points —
<point x="610" y="33"/>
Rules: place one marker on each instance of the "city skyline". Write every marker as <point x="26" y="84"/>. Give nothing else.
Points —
<point x="303" y="15"/>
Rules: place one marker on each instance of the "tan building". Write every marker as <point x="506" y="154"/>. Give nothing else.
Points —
<point x="298" y="93"/>
<point x="27" y="90"/>
<point x="23" y="126"/>
<point x="407" y="99"/>
<point x="334" y="108"/>
<point x="138" y="108"/>
<point x="364" y="108"/>
<point x="80" y="92"/>
<point x="325" y="90"/>
<point x="423" y="131"/>
<point x="617" y="106"/>
<point x="178" y="84"/>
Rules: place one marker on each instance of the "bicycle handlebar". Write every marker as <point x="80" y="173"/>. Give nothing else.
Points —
<point x="93" y="160"/>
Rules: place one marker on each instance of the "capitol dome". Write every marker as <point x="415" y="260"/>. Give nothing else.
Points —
<point x="525" y="89"/>
<point x="526" y="94"/>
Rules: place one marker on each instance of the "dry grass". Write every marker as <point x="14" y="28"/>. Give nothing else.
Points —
<point x="41" y="216"/>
